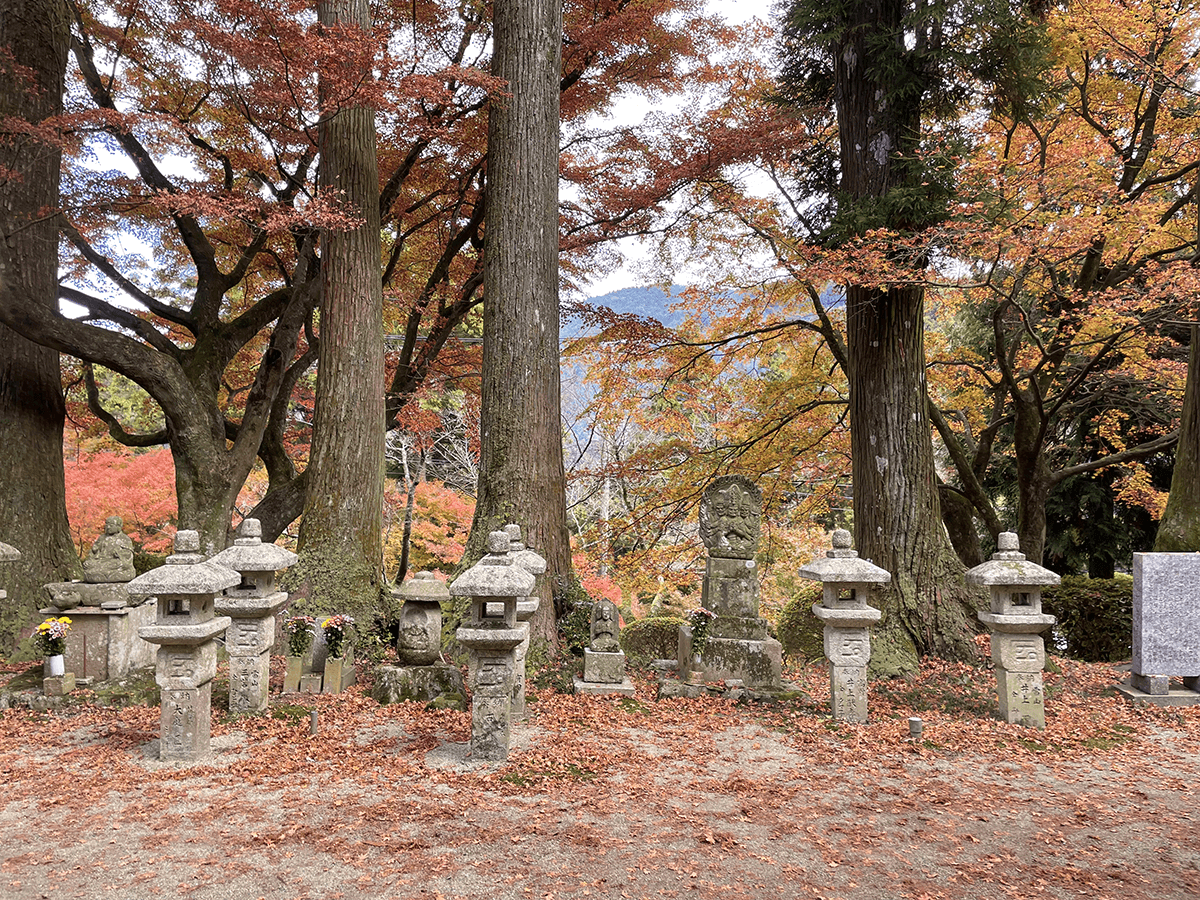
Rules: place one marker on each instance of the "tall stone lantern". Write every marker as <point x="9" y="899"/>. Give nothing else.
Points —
<point x="847" y="582"/>
<point x="491" y="636"/>
<point x="184" y="630"/>
<point x="535" y="565"/>
<point x="251" y="605"/>
<point x="1016" y="623"/>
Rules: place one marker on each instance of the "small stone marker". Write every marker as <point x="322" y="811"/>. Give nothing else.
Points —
<point x="738" y="646"/>
<point x="251" y="605"/>
<point x="1166" y="623"/>
<point x="1016" y="622"/>
<point x="846" y="583"/>
<point x="491" y="636"/>
<point x="185" y="629"/>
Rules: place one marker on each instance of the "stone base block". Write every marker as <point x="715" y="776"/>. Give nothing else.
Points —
<point x="848" y="687"/>
<point x="58" y="685"/>
<point x="310" y="683"/>
<point x="185" y="724"/>
<point x="1021" y="698"/>
<point x="759" y="664"/>
<point x="103" y="644"/>
<point x="603" y="668"/>
<point x="1173" y="697"/>
<point x="339" y="674"/>
<point x="738" y="628"/>
<point x="249" y="678"/>
<point x="1018" y="652"/>
<point x="1157" y="685"/>
<point x="439" y="683"/>
<point x="625" y="687"/>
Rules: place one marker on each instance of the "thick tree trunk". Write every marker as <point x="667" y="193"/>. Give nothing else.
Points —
<point x="897" y="514"/>
<point x="341" y="530"/>
<point x="521" y="476"/>
<point x="1179" y="530"/>
<point x="33" y="514"/>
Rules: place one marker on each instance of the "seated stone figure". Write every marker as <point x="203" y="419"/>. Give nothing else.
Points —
<point x="111" y="559"/>
<point x="605" y="627"/>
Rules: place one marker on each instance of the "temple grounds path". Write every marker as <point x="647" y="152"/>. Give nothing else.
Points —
<point x="617" y="798"/>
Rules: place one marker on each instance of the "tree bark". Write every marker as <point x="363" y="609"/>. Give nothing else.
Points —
<point x="1179" y="530"/>
<point x="897" y="514"/>
<point x="33" y="513"/>
<point x="521" y="476"/>
<point x="341" y="530"/>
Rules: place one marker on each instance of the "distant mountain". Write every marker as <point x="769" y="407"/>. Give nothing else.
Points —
<point x="650" y="302"/>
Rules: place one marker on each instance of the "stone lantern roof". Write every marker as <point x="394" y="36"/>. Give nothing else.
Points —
<point x="1008" y="567"/>
<point x="496" y="575"/>
<point x="527" y="559"/>
<point x="185" y="572"/>
<point x="841" y="565"/>
<point x="9" y="553"/>
<point x="423" y="587"/>
<point x="250" y="554"/>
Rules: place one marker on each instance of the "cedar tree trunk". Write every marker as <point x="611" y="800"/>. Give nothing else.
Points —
<point x="33" y="514"/>
<point x="341" y="530"/>
<point x="897" y="514"/>
<point x="521" y="477"/>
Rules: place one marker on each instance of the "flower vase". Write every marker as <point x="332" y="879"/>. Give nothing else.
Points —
<point x="295" y="668"/>
<point x="339" y="673"/>
<point x="54" y="666"/>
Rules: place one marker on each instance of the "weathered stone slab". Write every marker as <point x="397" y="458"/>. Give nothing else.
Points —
<point x="185" y="727"/>
<point x="439" y="683"/>
<point x="624" y="688"/>
<point x="58" y="685"/>
<point x="737" y="628"/>
<point x="1166" y="614"/>
<point x="310" y="683"/>
<point x="1021" y="699"/>
<point x="603" y="668"/>
<point x="730" y="587"/>
<point x="248" y="683"/>
<point x="848" y="692"/>
<point x="104" y="644"/>
<point x="757" y="663"/>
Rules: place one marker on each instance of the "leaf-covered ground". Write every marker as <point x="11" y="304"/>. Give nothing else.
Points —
<point x="618" y="798"/>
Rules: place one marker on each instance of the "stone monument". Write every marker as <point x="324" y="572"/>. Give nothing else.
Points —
<point x="535" y="565"/>
<point x="103" y="643"/>
<point x="1166" y="617"/>
<point x="422" y="675"/>
<point x="185" y="630"/>
<point x="846" y="584"/>
<point x="1016" y="623"/>
<point x="251" y="606"/>
<point x="603" y="660"/>
<point x="738" y="646"/>
<point x="8" y="554"/>
<point x="491" y="636"/>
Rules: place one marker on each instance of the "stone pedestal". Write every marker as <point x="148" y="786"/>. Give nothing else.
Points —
<point x="185" y="629"/>
<point x="103" y="644"/>
<point x="439" y="685"/>
<point x="846" y="583"/>
<point x="604" y="673"/>
<point x="310" y="683"/>
<point x="251" y="606"/>
<point x="1016" y="623"/>
<point x="491" y="636"/>
<point x="58" y="685"/>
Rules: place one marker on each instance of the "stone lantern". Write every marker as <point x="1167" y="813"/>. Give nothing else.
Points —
<point x="184" y="630"/>
<point x="7" y="554"/>
<point x="1016" y="623"/>
<point x="491" y="636"/>
<point x="847" y="582"/>
<point x="535" y="565"/>
<point x="251" y="605"/>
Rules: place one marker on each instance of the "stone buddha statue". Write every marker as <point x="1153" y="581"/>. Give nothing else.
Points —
<point x="605" y="627"/>
<point x="111" y="559"/>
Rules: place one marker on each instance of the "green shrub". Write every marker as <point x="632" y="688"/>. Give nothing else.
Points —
<point x="800" y="632"/>
<point x="655" y="637"/>
<point x="1095" y="616"/>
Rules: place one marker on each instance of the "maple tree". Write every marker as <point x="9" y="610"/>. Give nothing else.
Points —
<point x="34" y="38"/>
